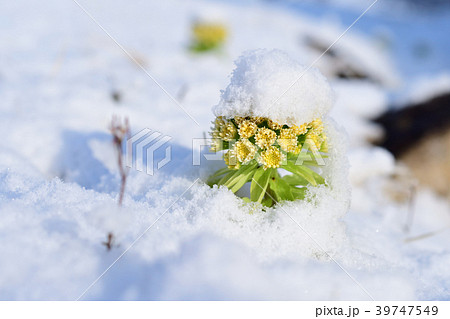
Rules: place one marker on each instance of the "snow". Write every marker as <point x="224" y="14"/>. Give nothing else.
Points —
<point x="268" y="83"/>
<point x="379" y="160"/>
<point x="59" y="180"/>
<point x="356" y="52"/>
<point x="426" y="87"/>
<point x="350" y="95"/>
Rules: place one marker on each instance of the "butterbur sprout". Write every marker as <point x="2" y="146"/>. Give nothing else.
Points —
<point x="259" y="150"/>
<point x="275" y="147"/>
<point x="207" y="36"/>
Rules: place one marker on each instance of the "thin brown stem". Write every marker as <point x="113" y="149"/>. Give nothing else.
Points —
<point x="120" y="131"/>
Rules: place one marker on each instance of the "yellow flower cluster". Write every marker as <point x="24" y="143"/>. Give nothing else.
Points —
<point x="265" y="137"/>
<point x="300" y="130"/>
<point x="224" y="129"/>
<point x="247" y="128"/>
<point x="317" y="125"/>
<point x="263" y="140"/>
<point x="314" y="140"/>
<point x="245" y="150"/>
<point x="315" y="136"/>
<point x="274" y="125"/>
<point x="231" y="159"/>
<point x="271" y="157"/>
<point x="288" y="141"/>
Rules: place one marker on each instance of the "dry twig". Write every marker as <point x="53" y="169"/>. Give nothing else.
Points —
<point x="120" y="132"/>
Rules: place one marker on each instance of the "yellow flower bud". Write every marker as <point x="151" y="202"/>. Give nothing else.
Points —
<point x="265" y="137"/>
<point x="247" y="129"/>
<point x="272" y="157"/>
<point x="245" y="151"/>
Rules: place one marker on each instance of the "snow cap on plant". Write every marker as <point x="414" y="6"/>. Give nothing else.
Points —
<point x="269" y="84"/>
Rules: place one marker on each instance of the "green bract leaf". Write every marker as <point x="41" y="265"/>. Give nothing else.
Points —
<point x="301" y="171"/>
<point x="240" y="173"/>
<point x="259" y="184"/>
<point x="220" y="172"/>
<point x="227" y="176"/>
<point x="247" y="176"/>
<point x="295" y="179"/>
<point x="299" y="193"/>
<point x="281" y="189"/>
<point x="267" y="201"/>
<point x="215" y="178"/>
<point x="305" y="158"/>
<point x="272" y="194"/>
<point x="319" y="179"/>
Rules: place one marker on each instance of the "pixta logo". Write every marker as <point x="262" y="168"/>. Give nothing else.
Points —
<point x="141" y="150"/>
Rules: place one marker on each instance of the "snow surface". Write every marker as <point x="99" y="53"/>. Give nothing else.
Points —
<point x="59" y="181"/>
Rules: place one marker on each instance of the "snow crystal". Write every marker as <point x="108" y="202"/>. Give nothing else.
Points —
<point x="268" y="83"/>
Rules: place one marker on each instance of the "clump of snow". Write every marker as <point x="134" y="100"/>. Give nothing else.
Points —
<point x="268" y="83"/>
